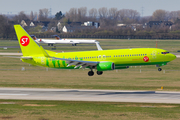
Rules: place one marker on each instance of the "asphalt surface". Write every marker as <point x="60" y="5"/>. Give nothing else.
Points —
<point x="90" y="95"/>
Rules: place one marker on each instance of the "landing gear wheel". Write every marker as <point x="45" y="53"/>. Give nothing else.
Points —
<point x="99" y="72"/>
<point x="159" y="69"/>
<point x="90" y="73"/>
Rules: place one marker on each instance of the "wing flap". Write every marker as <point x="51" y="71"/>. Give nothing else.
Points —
<point x="78" y="63"/>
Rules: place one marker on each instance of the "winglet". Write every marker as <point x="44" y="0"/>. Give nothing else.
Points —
<point x="98" y="46"/>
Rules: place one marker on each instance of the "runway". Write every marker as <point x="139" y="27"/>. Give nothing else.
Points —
<point x="90" y="95"/>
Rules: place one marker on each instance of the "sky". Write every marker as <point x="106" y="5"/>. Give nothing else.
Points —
<point x="148" y="6"/>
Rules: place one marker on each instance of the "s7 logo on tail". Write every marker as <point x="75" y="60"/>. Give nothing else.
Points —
<point x="24" y="40"/>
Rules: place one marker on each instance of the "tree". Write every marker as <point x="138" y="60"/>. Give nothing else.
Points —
<point x="32" y="16"/>
<point x="36" y="29"/>
<point x="174" y="15"/>
<point x="82" y="12"/>
<point x="93" y="13"/>
<point x="103" y="12"/>
<point x="133" y="14"/>
<point x="59" y="15"/>
<point x="6" y="30"/>
<point x="160" y="15"/>
<point x="21" y="16"/>
<point x="128" y="16"/>
<point x="113" y="13"/>
<point x="77" y="14"/>
<point x="43" y="14"/>
<point x="72" y="14"/>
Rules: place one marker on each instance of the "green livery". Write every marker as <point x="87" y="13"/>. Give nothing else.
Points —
<point x="101" y="60"/>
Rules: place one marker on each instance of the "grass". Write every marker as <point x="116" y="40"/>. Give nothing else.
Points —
<point x="53" y="110"/>
<point x="11" y="75"/>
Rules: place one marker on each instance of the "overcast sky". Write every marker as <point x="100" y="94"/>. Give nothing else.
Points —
<point x="149" y="6"/>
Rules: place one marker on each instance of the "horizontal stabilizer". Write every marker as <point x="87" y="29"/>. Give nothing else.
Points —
<point x="23" y="57"/>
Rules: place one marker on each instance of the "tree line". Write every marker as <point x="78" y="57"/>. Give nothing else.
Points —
<point x="108" y="19"/>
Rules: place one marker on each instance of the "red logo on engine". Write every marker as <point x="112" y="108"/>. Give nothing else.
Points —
<point x="24" y="41"/>
<point x="146" y="59"/>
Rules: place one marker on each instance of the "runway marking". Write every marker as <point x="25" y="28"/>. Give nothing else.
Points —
<point x="12" y="94"/>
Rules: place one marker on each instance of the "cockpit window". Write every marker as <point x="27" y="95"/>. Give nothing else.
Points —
<point x="164" y="52"/>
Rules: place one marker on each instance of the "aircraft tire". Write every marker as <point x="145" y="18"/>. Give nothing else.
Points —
<point x="90" y="73"/>
<point x="99" y="72"/>
<point x="159" y="69"/>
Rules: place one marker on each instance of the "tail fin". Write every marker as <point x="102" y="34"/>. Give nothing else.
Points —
<point x="57" y="37"/>
<point x="34" y="37"/>
<point x="28" y="46"/>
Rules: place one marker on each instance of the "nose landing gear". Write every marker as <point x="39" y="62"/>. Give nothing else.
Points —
<point x="159" y="69"/>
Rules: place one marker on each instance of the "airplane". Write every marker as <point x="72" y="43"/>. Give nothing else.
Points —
<point x="58" y="40"/>
<point x="99" y="60"/>
<point x="66" y="41"/>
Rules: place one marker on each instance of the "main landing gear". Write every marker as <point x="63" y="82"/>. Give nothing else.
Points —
<point x="91" y="73"/>
<point x="99" y="72"/>
<point x="159" y="69"/>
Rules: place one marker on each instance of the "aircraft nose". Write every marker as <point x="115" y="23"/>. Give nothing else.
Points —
<point x="172" y="57"/>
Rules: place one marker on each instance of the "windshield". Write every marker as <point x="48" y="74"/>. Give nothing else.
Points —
<point x="164" y="52"/>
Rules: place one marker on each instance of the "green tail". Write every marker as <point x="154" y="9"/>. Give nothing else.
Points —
<point x="28" y="46"/>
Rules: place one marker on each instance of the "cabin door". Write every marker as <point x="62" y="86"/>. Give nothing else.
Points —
<point x="154" y="54"/>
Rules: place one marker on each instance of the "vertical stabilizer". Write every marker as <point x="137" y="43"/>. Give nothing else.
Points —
<point x="28" y="46"/>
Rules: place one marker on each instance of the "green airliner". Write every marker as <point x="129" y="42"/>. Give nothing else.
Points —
<point x="102" y="60"/>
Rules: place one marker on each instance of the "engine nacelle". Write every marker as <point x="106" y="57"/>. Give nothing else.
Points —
<point x="122" y="67"/>
<point x="104" y="66"/>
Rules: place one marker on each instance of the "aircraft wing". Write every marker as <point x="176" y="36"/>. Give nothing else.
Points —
<point x="79" y="63"/>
